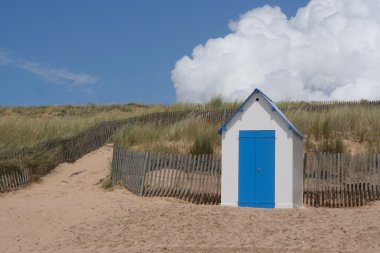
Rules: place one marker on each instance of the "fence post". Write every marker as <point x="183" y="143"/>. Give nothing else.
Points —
<point x="113" y="166"/>
<point x="143" y="171"/>
<point x="169" y="176"/>
<point x="184" y="176"/>
<point x="318" y="190"/>
<point x="173" y="168"/>
<point x="305" y="200"/>
<point x="377" y="181"/>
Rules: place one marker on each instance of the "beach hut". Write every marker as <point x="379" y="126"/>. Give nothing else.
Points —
<point x="262" y="157"/>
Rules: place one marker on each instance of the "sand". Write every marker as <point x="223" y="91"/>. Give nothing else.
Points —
<point x="65" y="213"/>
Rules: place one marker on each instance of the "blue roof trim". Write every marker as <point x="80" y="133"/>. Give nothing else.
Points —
<point x="273" y="108"/>
<point x="240" y="109"/>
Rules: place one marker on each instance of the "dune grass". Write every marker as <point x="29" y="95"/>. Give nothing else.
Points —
<point x="186" y="136"/>
<point x="28" y="126"/>
<point x="339" y="128"/>
<point x="334" y="128"/>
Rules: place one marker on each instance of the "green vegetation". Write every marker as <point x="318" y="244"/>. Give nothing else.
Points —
<point x="202" y="145"/>
<point x="333" y="128"/>
<point x="329" y="128"/>
<point x="186" y="136"/>
<point x="28" y="126"/>
<point x="338" y="127"/>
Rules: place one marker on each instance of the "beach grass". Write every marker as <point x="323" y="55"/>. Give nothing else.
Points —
<point x="28" y="126"/>
<point x="181" y="137"/>
<point x="332" y="128"/>
<point x="335" y="128"/>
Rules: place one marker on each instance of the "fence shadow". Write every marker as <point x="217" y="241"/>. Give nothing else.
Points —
<point x="195" y="178"/>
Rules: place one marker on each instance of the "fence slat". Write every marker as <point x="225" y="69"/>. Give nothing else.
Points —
<point x="183" y="178"/>
<point x="172" y="176"/>
<point x="215" y="180"/>
<point x="169" y="176"/>
<point x="378" y="177"/>
<point x="155" y="174"/>
<point x="177" y="176"/>
<point x="143" y="173"/>
<point x="202" y="179"/>
<point x="148" y="175"/>
<point x="198" y="179"/>
<point x="208" y="181"/>
<point x="158" y="174"/>
<point x="162" y="175"/>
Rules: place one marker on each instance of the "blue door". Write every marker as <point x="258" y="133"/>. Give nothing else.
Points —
<point x="256" y="168"/>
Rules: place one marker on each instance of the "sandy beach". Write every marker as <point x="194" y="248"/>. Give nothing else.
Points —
<point x="68" y="212"/>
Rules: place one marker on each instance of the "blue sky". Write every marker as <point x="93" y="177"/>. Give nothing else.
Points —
<point x="78" y="52"/>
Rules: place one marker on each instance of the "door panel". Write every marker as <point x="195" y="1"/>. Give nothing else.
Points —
<point x="256" y="168"/>
<point x="247" y="174"/>
<point x="264" y="172"/>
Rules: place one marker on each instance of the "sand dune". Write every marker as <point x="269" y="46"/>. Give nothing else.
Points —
<point x="72" y="213"/>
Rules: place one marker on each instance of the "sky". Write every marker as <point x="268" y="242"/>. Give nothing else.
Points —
<point x="329" y="50"/>
<point x="79" y="52"/>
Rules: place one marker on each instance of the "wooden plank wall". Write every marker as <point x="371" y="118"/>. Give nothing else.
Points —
<point x="188" y="177"/>
<point x="341" y="180"/>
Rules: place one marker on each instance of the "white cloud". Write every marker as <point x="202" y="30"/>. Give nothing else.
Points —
<point x="329" y="50"/>
<point x="57" y="75"/>
<point x="4" y="59"/>
<point x="53" y="75"/>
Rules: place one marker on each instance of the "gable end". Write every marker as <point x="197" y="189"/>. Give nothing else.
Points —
<point x="273" y="109"/>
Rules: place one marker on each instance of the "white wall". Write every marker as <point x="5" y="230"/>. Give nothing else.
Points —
<point x="258" y="116"/>
<point x="298" y="153"/>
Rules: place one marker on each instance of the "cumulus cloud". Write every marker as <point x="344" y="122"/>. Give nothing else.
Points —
<point x="330" y="50"/>
<point x="50" y="74"/>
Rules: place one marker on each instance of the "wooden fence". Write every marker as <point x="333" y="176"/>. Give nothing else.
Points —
<point x="341" y="180"/>
<point x="324" y="105"/>
<point x="42" y="158"/>
<point x="322" y="187"/>
<point x="330" y="180"/>
<point x="13" y="174"/>
<point x="195" y="178"/>
<point x="11" y="180"/>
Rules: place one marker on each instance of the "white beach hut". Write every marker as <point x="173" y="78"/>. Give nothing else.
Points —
<point x="262" y="157"/>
